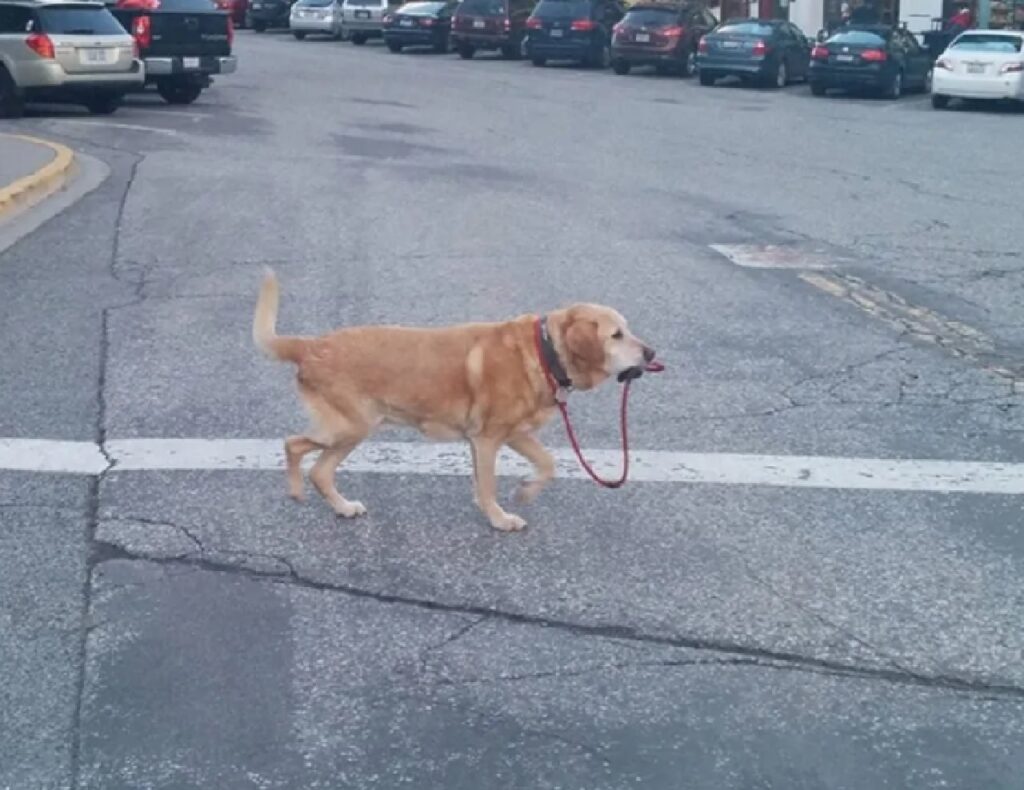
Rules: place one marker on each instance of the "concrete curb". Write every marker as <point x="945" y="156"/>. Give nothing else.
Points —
<point x="40" y="184"/>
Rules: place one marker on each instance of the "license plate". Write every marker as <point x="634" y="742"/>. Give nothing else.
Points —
<point x="362" y="14"/>
<point x="479" y="23"/>
<point x="556" y="34"/>
<point x="95" y="57"/>
<point x="190" y="63"/>
<point x="406" y="23"/>
<point x="844" y="58"/>
<point x="643" y="38"/>
<point x="729" y="44"/>
<point x="975" y="68"/>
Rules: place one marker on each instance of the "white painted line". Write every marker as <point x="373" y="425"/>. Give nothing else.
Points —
<point x="48" y="455"/>
<point x="129" y="126"/>
<point x="774" y="256"/>
<point x="647" y="466"/>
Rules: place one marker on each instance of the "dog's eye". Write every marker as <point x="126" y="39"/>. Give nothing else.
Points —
<point x="617" y="334"/>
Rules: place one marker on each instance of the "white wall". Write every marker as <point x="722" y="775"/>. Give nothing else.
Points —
<point x="808" y="15"/>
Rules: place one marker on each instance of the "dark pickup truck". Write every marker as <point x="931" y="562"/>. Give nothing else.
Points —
<point x="183" y="43"/>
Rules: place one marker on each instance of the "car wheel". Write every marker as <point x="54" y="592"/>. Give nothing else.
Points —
<point x="393" y="47"/>
<point x="299" y="35"/>
<point x="620" y="66"/>
<point x="511" y="51"/>
<point x="11" y="105"/>
<point x="690" y="64"/>
<point x="940" y="102"/>
<point x="926" y="86"/>
<point x="895" y="87"/>
<point x="707" y="79"/>
<point x="604" y="57"/>
<point x="442" y="45"/>
<point x="178" y="91"/>
<point x="539" y="61"/>
<point x="817" y="90"/>
<point x="780" y="77"/>
<point x="104" y="103"/>
<point x="259" y="26"/>
<point x="466" y="52"/>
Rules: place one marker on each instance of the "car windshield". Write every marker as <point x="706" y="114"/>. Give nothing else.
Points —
<point x="563" y="9"/>
<point x="745" y="29"/>
<point x="483" y="7"/>
<point x="982" y="43"/>
<point x="421" y="9"/>
<point x="858" y="38"/>
<point x="652" y="17"/>
<point x="364" y="3"/>
<point x="199" y="6"/>
<point x="79" y="21"/>
<point x="319" y="3"/>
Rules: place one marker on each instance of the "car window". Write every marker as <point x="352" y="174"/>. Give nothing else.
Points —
<point x="858" y="38"/>
<point x="913" y="48"/>
<point x="797" y="33"/>
<point x="315" y="3"/>
<point x="196" y="6"/>
<point x="14" y="19"/>
<point x="746" y="29"/>
<point x="82" y="20"/>
<point x="364" y="3"/>
<point x="421" y="8"/>
<point x="652" y="17"/>
<point x="483" y="7"/>
<point x="709" y="19"/>
<point x="976" y="42"/>
<point x="563" y="9"/>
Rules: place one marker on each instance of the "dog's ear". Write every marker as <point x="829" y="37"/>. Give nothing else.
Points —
<point x="585" y="348"/>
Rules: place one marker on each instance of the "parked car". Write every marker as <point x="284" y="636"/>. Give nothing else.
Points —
<point x="66" y="52"/>
<point x="771" y="52"/>
<point x="364" y="19"/>
<point x="980" y="64"/>
<point x="183" y="44"/>
<point x="420" y="24"/>
<point x="491" y="25"/>
<point x="265" y="14"/>
<point x="659" y="34"/>
<point x="238" y="10"/>
<point x="879" y="58"/>
<point x="573" y="30"/>
<point x="315" y="16"/>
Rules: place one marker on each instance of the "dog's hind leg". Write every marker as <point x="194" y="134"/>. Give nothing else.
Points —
<point x="323" y="471"/>
<point x="485" y="453"/>
<point x="529" y="447"/>
<point x="295" y="448"/>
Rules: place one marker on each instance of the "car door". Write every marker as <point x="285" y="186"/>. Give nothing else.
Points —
<point x="609" y="14"/>
<point x="801" y="59"/>
<point x="696" y="26"/>
<point x="918" y="61"/>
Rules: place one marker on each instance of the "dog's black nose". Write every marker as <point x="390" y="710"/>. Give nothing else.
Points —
<point x="648" y="353"/>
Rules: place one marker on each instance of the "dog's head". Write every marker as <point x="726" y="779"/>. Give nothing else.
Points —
<point x="595" y="343"/>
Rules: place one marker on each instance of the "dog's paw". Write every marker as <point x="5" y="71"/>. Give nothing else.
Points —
<point x="351" y="510"/>
<point x="508" y="522"/>
<point x="528" y="491"/>
<point x="298" y="495"/>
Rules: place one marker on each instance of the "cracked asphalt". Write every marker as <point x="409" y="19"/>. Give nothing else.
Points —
<point x="197" y="629"/>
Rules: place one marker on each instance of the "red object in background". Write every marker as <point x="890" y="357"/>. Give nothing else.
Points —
<point x="235" y="9"/>
<point x="138" y="5"/>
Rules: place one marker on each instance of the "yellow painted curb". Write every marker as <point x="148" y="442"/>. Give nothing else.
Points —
<point x="40" y="184"/>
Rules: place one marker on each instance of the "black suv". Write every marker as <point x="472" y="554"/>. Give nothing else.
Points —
<point x="576" y="30"/>
<point x="660" y="34"/>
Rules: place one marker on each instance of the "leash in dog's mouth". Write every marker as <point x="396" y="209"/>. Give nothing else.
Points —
<point x="637" y="371"/>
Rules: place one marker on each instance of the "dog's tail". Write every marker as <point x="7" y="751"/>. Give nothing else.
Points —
<point x="264" y="325"/>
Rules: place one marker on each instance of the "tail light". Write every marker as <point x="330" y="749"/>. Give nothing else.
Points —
<point x="702" y="46"/>
<point x="874" y="55"/>
<point x="620" y="30"/>
<point x="760" y="49"/>
<point x="40" y="44"/>
<point x="1011" y="68"/>
<point x="819" y="53"/>
<point x="231" y="33"/>
<point x="583" y="25"/>
<point x="142" y="31"/>
<point x="675" y="31"/>
<point x="534" y="24"/>
<point x="507" y="24"/>
<point x="138" y="5"/>
<point x="388" y="19"/>
<point x="427" y="22"/>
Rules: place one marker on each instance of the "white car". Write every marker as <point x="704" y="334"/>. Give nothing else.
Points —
<point x="980" y="64"/>
<point x="310" y="17"/>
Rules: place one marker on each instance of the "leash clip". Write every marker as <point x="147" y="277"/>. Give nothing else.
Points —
<point x="562" y="394"/>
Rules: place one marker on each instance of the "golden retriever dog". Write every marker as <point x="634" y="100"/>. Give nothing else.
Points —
<point x="485" y="382"/>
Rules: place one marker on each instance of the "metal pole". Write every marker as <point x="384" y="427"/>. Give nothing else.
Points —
<point x="984" y="12"/>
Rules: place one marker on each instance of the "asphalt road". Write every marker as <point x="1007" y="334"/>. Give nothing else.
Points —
<point x="196" y="629"/>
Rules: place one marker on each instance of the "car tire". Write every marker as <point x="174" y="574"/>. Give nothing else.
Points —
<point x="104" y="103"/>
<point x="11" y="105"/>
<point x="259" y="26"/>
<point x="178" y="91"/>
<point x="621" y="67"/>
<point x="926" y="86"/>
<point x="603" y="59"/>
<point x="940" y="102"/>
<point x="393" y="47"/>
<point x="817" y="90"/>
<point x="707" y="79"/>
<point x="299" y="35"/>
<point x="466" y="52"/>
<point x="779" y="76"/>
<point x="895" y="87"/>
<point x="443" y="46"/>
<point x="690" y="64"/>
<point x="511" y="51"/>
<point x="539" y="61"/>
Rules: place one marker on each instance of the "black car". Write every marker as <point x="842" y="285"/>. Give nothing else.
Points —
<point x="420" y="25"/>
<point x="880" y="58"/>
<point x="660" y="34"/>
<point x="491" y="25"/>
<point x="771" y="52"/>
<point x="265" y="14"/>
<point x="574" y="30"/>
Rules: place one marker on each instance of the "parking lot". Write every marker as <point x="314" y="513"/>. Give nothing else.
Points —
<point x="814" y="581"/>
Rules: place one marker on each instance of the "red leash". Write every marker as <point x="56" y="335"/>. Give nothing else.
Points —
<point x="563" y="406"/>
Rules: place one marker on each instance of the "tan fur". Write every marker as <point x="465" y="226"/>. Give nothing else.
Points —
<point x="482" y="382"/>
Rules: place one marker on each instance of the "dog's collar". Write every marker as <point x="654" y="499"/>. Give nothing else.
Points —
<point x="549" y="356"/>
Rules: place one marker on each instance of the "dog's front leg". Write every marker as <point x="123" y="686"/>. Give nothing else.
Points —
<point x="530" y="448"/>
<point x="485" y="455"/>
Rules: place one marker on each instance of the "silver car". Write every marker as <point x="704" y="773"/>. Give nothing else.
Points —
<point x="315" y="16"/>
<point x="61" y="51"/>
<point x="364" y="19"/>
